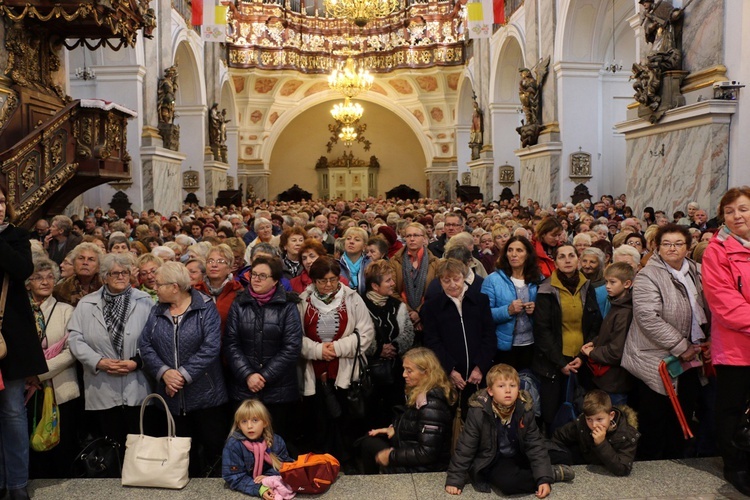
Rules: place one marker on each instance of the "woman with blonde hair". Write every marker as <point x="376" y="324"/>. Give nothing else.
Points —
<point x="419" y="438"/>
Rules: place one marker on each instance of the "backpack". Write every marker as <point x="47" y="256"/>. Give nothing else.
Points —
<point x="311" y="473"/>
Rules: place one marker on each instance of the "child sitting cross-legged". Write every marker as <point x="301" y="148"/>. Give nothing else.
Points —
<point x="602" y="434"/>
<point x="501" y="444"/>
<point x="253" y="454"/>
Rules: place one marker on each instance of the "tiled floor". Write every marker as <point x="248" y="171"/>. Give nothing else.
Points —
<point x="684" y="480"/>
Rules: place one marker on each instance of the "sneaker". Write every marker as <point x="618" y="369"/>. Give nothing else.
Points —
<point x="563" y="473"/>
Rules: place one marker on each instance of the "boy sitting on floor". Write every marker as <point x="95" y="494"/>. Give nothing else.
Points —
<point x="601" y="435"/>
<point x="501" y="443"/>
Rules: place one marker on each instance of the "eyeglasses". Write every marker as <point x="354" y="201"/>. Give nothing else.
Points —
<point x="147" y="273"/>
<point x="635" y="243"/>
<point x="216" y="261"/>
<point x="450" y="224"/>
<point x="259" y="276"/>
<point x="119" y="274"/>
<point x="413" y="236"/>
<point x="669" y="244"/>
<point x="42" y="279"/>
<point x="326" y="281"/>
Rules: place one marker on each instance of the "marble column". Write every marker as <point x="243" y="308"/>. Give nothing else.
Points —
<point x="215" y="173"/>
<point x="683" y="158"/>
<point x="254" y="179"/>
<point x="441" y="178"/>
<point x="505" y="141"/>
<point x="482" y="176"/>
<point x="162" y="180"/>
<point x="540" y="173"/>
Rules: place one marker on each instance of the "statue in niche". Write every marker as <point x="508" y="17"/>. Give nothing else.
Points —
<point x="530" y="95"/>
<point x="166" y="95"/>
<point x="217" y="132"/>
<point x="477" y="129"/>
<point x="657" y="78"/>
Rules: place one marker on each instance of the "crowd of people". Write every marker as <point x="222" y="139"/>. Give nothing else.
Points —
<point x="263" y="318"/>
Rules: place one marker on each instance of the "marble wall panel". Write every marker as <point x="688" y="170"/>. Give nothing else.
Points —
<point x="259" y="186"/>
<point x="167" y="186"/>
<point x="703" y="35"/>
<point x="548" y="18"/>
<point x="532" y="33"/>
<point x="540" y="179"/>
<point x="694" y="167"/>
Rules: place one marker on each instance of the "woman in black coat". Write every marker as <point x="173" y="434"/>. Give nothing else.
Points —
<point x="458" y="327"/>
<point x="420" y="436"/>
<point x="25" y="357"/>
<point x="263" y="342"/>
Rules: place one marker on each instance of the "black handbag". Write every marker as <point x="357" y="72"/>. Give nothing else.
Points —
<point x="741" y="438"/>
<point x="359" y="390"/>
<point x="98" y="459"/>
<point x="381" y="371"/>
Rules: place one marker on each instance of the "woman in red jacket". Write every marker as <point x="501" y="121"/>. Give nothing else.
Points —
<point x="546" y="239"/>
<point x="219" y="283"/>
<point x="726" y="284"/>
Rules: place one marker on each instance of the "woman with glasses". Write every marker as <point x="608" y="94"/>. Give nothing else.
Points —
<point x="104" y="331"/>
<point x="263" y="342"/>
<point x="669" y="318"/>
<point x="331" y="313"/>
<point x="147" y="265"/>
<point x="181" y="347"/>
<point x="219" y="284"/>
<point x="637" y="241"/>
<point x="51" y="327"/>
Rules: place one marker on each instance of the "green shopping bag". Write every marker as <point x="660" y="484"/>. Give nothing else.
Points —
<point x="46" y="434"/>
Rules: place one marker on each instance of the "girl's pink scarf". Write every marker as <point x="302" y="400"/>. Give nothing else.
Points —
<point x="259" y="449"/>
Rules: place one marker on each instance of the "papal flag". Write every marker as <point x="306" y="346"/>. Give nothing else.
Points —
<point x="211" y="15"/>
<point x="482" y="14"/>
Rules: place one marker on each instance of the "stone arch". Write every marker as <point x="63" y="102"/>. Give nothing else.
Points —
<point x="584" y="30"/>
<point x="506" y="61"/>
<point x="464" y="111"/>
<point x="289" y="115"/>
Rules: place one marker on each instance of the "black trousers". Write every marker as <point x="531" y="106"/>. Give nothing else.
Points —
<point x="208" y="430"/>
<point x="732" y="394"/>
<point x="369" y="447"/>
<point x="661" y="434"/>
<point x="519" y="357"/>
<point x="116" y="423"/>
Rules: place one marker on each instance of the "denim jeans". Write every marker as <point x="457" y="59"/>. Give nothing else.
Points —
<point x="14" y="436"/>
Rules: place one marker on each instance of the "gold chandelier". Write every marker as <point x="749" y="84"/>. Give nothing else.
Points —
<point x="347" y="112"/>
<point x="350" y="80"/>
<point x="348" y="135"/>
<point x="360" y="12"/>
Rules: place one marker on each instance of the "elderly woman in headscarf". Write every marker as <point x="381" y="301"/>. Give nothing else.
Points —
<point x="104" y="332"/>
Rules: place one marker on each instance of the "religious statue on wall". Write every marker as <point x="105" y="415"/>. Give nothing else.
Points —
<point x="657" y="78"/>
<point x="217" y="132"/>
<point x="530" y="95"/>
<point x="477" y="129"/>
<point x="166" y="96"/>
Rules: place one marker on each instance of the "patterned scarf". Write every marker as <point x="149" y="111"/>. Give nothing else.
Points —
<point x="415" y="280"/>
<point x="41" y="324"/>
<point x="353" y="268"/>
<point x="327" y="298"/>
<point x="115" y="309"/>
<point x="725" y="233"/>
<point x="293" y="266"/>
<point x="504" y="413"/>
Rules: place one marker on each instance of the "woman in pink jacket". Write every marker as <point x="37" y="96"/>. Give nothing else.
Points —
<point x="726" y="284"/>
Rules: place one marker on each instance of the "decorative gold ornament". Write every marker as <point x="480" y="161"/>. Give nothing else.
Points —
<point x="350" y="80"/>
<point x="347" y="112"/>
<point x="360" y="12"/>
<point x="348" y="135"/>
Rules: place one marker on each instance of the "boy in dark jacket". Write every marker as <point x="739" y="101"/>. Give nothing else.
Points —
<point x="501" y="443"/>
<point x="605" y="350"/>
<point x="601" y="435"/>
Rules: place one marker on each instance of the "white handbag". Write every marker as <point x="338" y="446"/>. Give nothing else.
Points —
<point x="156" y="462"/>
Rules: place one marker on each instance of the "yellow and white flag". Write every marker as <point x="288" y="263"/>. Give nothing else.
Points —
<point x="211" y="15"/>
<point x="479" y="17"/>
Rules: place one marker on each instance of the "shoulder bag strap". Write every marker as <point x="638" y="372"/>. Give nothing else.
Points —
<point x="356" y="358"/>
<point x="3" y="298"/>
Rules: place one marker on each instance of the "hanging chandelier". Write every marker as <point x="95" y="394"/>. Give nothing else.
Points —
<point x="360" y="12"/>
<point x="347" y="112"/>
<point x="350" y="80"/>
<point x="615" y="65"/>
<point x="348" y="135"/>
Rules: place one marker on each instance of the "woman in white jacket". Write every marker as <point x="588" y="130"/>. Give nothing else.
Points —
<point x="51" y="321"/>
<point x="330" y="314"/>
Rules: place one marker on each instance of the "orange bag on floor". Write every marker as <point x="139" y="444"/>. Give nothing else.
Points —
<point x="311" y="474"/>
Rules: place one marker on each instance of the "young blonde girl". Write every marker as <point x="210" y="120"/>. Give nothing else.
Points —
<point x="253" y="454"/>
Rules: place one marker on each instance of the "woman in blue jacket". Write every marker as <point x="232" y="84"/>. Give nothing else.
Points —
<point x="180" y="347"/>
<point x="512" y="292"/>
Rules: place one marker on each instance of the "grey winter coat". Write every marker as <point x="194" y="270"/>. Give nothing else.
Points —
<point x="90" y="341"/>
<point x="193" y="350"/>
<point x="662" y="320"/>
<point x="477" y="445"/>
